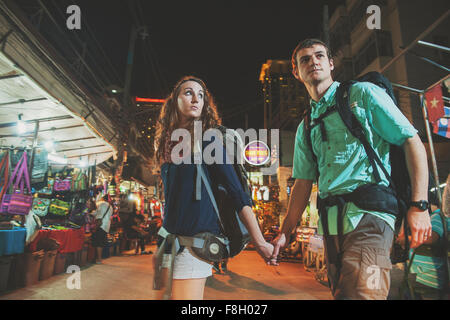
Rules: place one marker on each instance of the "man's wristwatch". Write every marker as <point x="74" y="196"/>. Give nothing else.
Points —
<point x="422" y="204"/>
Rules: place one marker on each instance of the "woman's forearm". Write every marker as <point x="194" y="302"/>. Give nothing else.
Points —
<point x="248" y="218"/>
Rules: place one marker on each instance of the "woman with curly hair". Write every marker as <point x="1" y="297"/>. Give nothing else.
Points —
<point x="186" y="216"/>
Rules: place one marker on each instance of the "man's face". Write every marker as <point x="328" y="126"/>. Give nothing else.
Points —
<point x="313" y="65"/>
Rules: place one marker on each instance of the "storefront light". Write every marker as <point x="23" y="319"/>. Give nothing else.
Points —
<point x="49" y="145"/>
<point x="83" y="163"/>
<point x="21" y="127"/>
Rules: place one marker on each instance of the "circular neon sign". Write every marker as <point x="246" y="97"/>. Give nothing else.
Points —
<point x="256" y="153"/>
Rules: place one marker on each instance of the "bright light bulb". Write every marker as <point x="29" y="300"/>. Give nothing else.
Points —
<point x="21" y="127"/>
<point x="49" y="145"/>
<point x="83" y="163"/>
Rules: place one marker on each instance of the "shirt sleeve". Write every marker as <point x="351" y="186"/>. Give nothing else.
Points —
<point x="436" y="224"/>
<point x="304" y="166"/>
<point x="385" y="117"/>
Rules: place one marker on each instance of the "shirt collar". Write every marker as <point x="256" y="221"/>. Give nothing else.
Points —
<point x="327" y="97"/>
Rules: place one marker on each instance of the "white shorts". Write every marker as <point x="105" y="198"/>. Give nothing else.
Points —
<point x="188" y="266"/>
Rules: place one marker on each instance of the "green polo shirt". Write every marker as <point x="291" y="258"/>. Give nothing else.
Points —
<point x="341" y="160"/>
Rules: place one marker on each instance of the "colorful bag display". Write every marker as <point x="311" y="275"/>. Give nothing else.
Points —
<point x="40" y="206"/>
<point x="59" y="207"/>
<point x="5" y="203"/>
<point x="4" y="173"/>
<point x="62" y="184"/>
<point x="79" y="182"/>
<point x="79" y="212"/>
<point x="19" y="202"/>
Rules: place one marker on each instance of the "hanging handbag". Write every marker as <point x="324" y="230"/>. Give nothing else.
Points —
<point x="59" y="207"/>
<point x="39" y="167"/>
<point x="62" y="184"/>
<point x="79" y="182"/>
<point x="4" y="173"/>
<point x="18" y="203"/>
<point x="48" y="189"/>
<point x="40" y="206"/>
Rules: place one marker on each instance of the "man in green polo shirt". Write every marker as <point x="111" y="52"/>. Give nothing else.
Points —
<point x="363" y="271"/>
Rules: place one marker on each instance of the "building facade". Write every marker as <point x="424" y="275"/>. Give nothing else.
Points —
<point x="357" y="49"/>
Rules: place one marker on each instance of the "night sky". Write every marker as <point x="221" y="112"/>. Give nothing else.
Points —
<point x="223" y="42"/>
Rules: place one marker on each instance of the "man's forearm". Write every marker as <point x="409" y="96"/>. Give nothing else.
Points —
<point x="416" y="161"/>
<point x="297" y="204"/>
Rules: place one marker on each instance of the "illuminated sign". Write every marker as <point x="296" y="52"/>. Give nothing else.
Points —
<point x="256" y="153"/>
<point x="150" y="100"/>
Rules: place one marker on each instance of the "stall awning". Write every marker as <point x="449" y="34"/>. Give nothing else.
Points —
<point x="74" y="138"/>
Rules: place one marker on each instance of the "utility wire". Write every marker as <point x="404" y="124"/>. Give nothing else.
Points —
<point x="233" y="114"/>
<point x="153" y="53"/>
<point x="106" y="57"/>
<point x="136" y="13"/>
<point x="240" y="108"/>
<point x="99" y="84"/>
<point x="99" y="71"/>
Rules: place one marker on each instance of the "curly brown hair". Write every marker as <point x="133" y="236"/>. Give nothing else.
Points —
<point x="169" y="119"/>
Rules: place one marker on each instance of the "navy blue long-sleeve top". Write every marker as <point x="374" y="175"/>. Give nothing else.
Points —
<point x="183" y="214"/>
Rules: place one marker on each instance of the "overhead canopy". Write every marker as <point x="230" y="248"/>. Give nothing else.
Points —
<point x="74" y="138"/>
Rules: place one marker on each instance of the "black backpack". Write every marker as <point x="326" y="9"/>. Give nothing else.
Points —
<point x="399" y="178"/>
<point x="231" y="225"/>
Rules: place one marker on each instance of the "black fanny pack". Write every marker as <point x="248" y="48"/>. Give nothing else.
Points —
<point x="372" y="197"/>
<point x="213" y="249"/>
<point x="205" y="245"/>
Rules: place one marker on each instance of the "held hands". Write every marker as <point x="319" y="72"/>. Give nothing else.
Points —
<point x="265" y="250"/>
<point x="278" y="243"/>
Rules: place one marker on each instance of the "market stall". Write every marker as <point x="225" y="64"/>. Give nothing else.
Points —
<point x="48" y="159"/>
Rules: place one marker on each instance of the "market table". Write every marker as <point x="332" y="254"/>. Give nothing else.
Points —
<point x="12" y="241"/>
<point x="70" y="240"/>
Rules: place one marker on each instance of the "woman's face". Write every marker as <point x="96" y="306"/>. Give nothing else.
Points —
<point x="190" y="100"/>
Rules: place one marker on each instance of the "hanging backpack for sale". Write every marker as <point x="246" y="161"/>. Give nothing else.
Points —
<point x="78" y="212"/>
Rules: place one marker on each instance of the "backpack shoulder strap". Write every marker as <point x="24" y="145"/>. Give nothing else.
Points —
<point x="307" y="131"/>
<point x="356" y="129"/>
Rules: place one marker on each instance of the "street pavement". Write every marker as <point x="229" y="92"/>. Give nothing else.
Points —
<point x="129" y="277"/>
